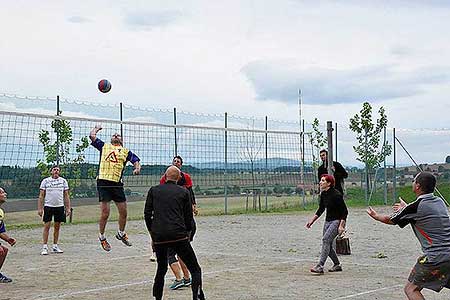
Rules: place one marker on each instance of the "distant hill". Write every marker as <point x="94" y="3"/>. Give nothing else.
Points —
<point x="272" y="164"/>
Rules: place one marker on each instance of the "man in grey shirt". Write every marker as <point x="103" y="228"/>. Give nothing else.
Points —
<point x="429" y="219"/>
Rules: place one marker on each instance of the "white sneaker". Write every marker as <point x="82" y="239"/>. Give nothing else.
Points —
<point x="56" y="249"/>
<point x="44" y="251"/>
<point x="153" y="257"/>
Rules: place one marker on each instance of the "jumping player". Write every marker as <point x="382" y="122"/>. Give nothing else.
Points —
<point x="430" y="222"/>
<point x="113" y="158"/>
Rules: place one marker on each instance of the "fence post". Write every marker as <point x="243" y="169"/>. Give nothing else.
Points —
<point x="384" y="165"/>
<point x="121" y="119"/>
<point x="303" y="166"/>
<point x="335" y="142"/>
<point x="58" y="113"/>
<point x="394" y="181"/>
<point x="266" y="165"/>
<point x="330" y="147"/>
<point x="366" y="169"/>
<point x="175" y="129"/>
<point x="225" y="172"/>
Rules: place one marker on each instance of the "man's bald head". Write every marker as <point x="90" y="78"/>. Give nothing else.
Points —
<point x="173" y="173"/>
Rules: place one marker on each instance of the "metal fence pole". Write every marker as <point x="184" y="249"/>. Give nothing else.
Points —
<point x="366" y="169"/>
<point x="266" y="165"/>
<point x="384" y="166"/>
<point x="394" y="179"/>
<point x="330" y="147"/>
<point x="58" y="112"/>
<point x="175" y="129"/>
<point x="121" y="119"/>
<point x="303" y="165"/>
<point x="225" y="172"/>
<point x="335" y="142"/>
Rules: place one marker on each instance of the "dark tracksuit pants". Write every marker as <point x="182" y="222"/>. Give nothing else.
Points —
<point x="184" y="250"/>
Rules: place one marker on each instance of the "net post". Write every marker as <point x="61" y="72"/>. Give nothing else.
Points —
<point x="225" y="171"/>
<point x="266" y="164"/>
<point x="175" y="130"/>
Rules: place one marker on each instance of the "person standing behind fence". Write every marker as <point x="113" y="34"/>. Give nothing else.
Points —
<point x="113" y="158"/>
<point x="53" y="203"/>
<point x="4" y="236"/>
<point x="331" y="200"/>
<point x="168" y="216"/>
<point x="339" y="172"/>
<point x="430" y="221"/>
<point x="176" y="264"/>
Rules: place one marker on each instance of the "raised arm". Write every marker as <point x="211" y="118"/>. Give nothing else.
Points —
<point x="93" y="133"/>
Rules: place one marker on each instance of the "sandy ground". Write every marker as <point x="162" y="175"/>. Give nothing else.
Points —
<point x="242" y="257"/>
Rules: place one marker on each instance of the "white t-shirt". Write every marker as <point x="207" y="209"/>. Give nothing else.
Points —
<point x="54" y="191"/>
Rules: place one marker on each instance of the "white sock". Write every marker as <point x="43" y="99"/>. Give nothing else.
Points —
<point x="44" y="246"/>
<point x="101" y="236"/>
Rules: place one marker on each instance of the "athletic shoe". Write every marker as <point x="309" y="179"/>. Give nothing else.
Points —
<point x="186" y="282"/>
<point x="105" y="245"/>
<point x="335" y="268"/>
<point x="176" y="284"/>
<point x="123" y="238"/>
<point x="56" y="249"/>
<point x="4" y="279"/>
<point x="44" y="251"/>
<point x="153" y="257"/>
<point x="317" y="269"/>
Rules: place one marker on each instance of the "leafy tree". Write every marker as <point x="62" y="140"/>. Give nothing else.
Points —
<point x="368" y="136"/>
<point x="59" y="152"/>
<point x="318" y="140"/>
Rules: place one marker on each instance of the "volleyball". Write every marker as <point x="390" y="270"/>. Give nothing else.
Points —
<point x="104" y="86"/>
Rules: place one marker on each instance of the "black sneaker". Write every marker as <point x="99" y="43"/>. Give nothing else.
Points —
<point x="4" y="279"/>
<point x="187" y="282"/>
<point x="335" y="268"/>
<point x="124" y="239"/>
<point x="105" y="245"/>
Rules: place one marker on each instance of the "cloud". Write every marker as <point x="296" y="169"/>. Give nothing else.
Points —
<point x="78" y="19"/>
<point x="280" y="81"/>
<point x="146" y="20"/>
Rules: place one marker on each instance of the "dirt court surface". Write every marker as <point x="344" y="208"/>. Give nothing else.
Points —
<point x="242" y="257"/>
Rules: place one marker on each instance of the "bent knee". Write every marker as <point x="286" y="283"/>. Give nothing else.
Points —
<point x="410" y="288"/>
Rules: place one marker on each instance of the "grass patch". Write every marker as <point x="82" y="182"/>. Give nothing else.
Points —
<point x="355" y="197"/>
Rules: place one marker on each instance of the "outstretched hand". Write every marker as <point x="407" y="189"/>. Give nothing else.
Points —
<point x="371" y="212"/>
<point x="399" y="205"/>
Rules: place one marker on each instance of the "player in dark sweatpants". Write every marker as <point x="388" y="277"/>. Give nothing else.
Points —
<point x="168" y="217"/>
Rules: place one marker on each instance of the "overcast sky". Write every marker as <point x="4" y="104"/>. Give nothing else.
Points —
<point x="244" y="57"/>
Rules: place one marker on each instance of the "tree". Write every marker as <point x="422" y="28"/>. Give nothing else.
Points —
<point x="368" y="136"/>
<point x="59" y="152"/>
<point x="318" y="140"/>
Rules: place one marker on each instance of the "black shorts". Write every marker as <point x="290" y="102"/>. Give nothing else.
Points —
<point x="58" y="214"/>
<point x="110" y="190"/>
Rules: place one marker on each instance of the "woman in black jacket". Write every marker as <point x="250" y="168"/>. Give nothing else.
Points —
<point x="331" y="200"/>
